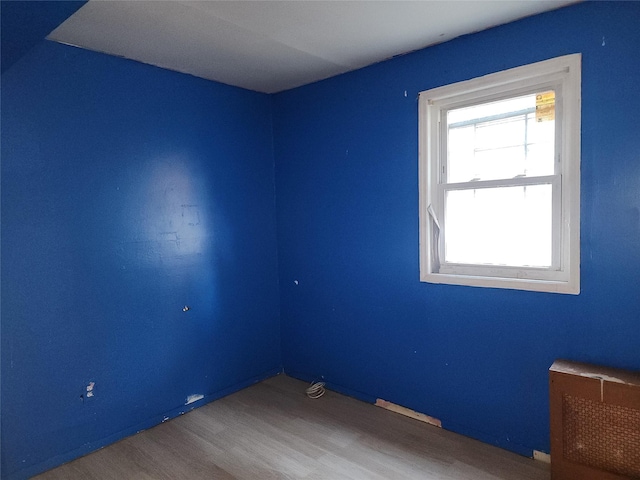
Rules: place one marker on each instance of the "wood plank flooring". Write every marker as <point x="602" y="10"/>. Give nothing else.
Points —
<point x="271" y="430"/>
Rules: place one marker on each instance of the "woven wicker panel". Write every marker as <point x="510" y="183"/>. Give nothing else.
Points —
<point x="602" y="436"/>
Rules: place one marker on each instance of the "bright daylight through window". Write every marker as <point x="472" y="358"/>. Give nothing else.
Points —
<point x="500" y="179"/>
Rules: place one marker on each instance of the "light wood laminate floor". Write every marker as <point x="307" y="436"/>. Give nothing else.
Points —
<point x="271" y="430"/>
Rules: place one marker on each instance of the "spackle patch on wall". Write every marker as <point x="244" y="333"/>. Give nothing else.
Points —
<point x="193" y="398"/>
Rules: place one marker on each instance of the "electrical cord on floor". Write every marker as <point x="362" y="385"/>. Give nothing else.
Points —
<point x="316" y="390"/>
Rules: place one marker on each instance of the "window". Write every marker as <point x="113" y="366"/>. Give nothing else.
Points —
<point x="500" y="179"/>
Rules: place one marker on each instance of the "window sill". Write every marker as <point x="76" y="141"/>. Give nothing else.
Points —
<point x="549" y="286"/>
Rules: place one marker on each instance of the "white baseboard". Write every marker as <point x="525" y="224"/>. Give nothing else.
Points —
<point x="408" y="412"/>
<point x="541" y="456"/>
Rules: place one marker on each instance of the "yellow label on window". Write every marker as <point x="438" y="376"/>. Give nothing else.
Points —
<point x="545" y="106"/>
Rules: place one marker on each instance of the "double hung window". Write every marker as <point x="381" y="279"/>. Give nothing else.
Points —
<point x="500" y="179"/>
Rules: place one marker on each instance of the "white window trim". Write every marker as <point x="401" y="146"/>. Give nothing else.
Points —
<point x="563" y="73"/>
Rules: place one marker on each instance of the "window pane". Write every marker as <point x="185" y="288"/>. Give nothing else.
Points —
<point x="499" y="226"/>
<point x="491" y="108"/>
<point x="503" y="139"/>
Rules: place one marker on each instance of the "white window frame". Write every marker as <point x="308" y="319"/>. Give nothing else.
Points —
<point x="563" y="74"/>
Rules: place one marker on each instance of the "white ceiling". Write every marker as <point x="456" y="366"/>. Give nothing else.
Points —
<point x="270" y="46"/>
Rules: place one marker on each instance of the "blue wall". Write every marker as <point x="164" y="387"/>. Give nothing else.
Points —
<point x="353" y="309"/>
<point x="128" y="192"/>
<point x="25" y="23"/>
